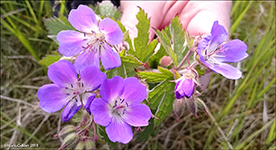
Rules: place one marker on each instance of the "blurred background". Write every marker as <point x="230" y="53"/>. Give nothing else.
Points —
<point x="243" y="111"/>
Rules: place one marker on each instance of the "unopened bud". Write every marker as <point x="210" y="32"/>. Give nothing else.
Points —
<point x="192" y="105"/>
<point x="89" y="144"/>
<point x="178" y="107"/>
<point x="70" y="140"/>
<point x="66" y="130"/>
<point x="80" y="146"/>
<point x="165" y="61"/>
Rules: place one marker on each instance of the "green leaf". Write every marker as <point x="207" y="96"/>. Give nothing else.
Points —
<point x="272" y="133"/>
<point x="143" y="50"/>
<point x="49" y="59"/>
<point x="154" y="60"/>
<point x="149" y="130"/>
<point x="54" y="25"/>
<point x="165" y="41"/>
<point x="178" y="37"/>
<point x="128" y="63"/>
<point x="161" y="99"/>
<point x="155" y="77"/>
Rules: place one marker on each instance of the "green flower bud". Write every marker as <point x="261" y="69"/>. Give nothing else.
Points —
<point x="70" y="140"/>
<point x="66" y="130"/>
<point x="89" y="144"/>
<point x="80" y="146"/>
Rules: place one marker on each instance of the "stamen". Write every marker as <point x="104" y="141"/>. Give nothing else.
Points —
<point x="67" y="94"/>
<point x="76" y="99"/>
<point x="127" y="104"/>
<point x="124" y="110"/>
<point x="82" y="85"/>
<point x="71" y="85"/>
<point x="115" y="104"/>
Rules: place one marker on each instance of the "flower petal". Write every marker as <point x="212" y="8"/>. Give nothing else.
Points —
<point x="87" y="58"/>
<point x="51" y="98"/>
<point x="83" y="19"/>
<point x="218" y="35"/>
<point x="233" y="51"/>
<point x="71" y="42"/>
<point x="92" y="77"/>
<point x="119" y="131"/>
<point x="109" y="58"/>
<point x="203" y="43"/>
<point x="138" y="115"/>
<point x="111" y="29"/>
<point x="112" y="89"/>
<point x="70" y="109"/>
<point x="226" y="70"/>
<point x="87" y="99"/>
<point x="134" y="91"/>
<point x="99" y="109"/>
<point x="184" y="87"/>
<point x="63" y="73"/>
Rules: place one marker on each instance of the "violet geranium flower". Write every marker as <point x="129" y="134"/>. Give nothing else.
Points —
<point x="92" y="41"/>
<point x="184" y="87"/>
<point x="120" y="107"/>
<point x="213" y="54"/>
<point x="68" y="90"/>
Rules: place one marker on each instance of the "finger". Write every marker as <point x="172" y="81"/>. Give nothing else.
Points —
<point x="198" y="17"/>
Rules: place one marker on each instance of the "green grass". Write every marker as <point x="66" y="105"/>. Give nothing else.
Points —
<point x="243" y="111"/>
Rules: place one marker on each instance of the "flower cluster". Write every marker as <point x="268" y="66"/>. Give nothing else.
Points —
<point x="212" y="52"/>
<point x="118" y="104"/>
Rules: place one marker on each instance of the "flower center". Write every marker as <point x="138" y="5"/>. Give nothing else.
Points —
<point x="119" y="107"/>
<point x="100" y="36"/>
<point x="75" y="90"/>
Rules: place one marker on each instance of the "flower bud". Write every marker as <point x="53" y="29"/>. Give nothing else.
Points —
<point x="192" y="105"/>
<point x="80" y="146"/>
<point x="70" y="140"/>
<point x="66" y="130"/>
<point x="178" y="107"/>
<point x="89" y="144"/>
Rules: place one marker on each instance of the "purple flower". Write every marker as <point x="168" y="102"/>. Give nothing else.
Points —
<point x="120" y="107"/>
<point x="68" y="90"/>
<point x="184" y="86"/>
<point x="93" y="41"/>
<point x="213" y="54"/>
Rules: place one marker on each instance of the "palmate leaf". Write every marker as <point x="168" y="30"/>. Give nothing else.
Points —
<point x="155" y="77"/>
<point x="166" y="43"/>
<point x="143" y="50"/>
<point x="178" y="37"/>
<point x="161" y="99"/>
<point x="54" y="25"/>
<point x="127" y="66"/>
<point x="172" y="39"/>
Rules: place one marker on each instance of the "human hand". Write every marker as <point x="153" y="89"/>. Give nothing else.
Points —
<point x="196" y="17"/>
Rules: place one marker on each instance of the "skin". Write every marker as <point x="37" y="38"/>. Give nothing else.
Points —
<point x="197" y="17"/>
